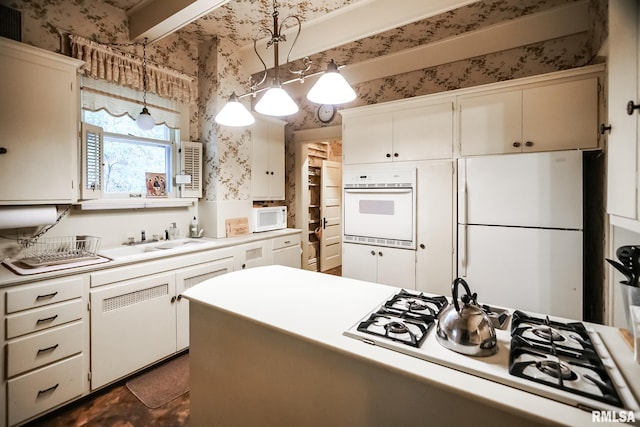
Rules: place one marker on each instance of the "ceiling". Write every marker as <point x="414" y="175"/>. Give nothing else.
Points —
<point x="329" y="24"/>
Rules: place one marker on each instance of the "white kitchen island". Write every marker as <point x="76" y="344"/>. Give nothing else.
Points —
<point x="267" y="349"/>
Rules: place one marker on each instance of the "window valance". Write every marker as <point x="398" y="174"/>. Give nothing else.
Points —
<point x="105" y="63"/>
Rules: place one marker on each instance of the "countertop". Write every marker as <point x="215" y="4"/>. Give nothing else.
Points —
<point x="297" y="299"/>
<point x="9" y="278"/>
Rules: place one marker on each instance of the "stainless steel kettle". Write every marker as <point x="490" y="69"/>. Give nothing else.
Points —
<point x="467" y="329"/>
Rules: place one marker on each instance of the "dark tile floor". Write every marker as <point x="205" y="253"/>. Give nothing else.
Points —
<point x="115" y="406"/>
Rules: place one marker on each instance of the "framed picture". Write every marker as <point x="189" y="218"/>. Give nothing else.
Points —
<point x="156" y="184"/>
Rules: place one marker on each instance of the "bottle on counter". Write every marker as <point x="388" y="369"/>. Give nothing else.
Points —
<point x="194" y="227"/>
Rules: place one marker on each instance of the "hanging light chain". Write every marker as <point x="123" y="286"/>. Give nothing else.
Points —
<point x="144" y="72"/>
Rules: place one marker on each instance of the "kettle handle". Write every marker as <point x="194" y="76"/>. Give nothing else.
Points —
<point x="454" y="291"/>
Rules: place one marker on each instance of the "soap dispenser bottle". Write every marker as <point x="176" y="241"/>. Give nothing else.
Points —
<point x="194" y="227"/>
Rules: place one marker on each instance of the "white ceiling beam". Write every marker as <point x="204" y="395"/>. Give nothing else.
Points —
<point x="155" y="19"/>
<point x="347" y="24"/>
<point x="554" y="23"/>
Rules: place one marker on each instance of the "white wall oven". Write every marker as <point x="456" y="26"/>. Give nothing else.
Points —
<point x="380" y="208"/>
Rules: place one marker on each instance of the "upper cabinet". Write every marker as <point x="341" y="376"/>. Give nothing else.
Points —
<point x="624" y="82"/>
<point x="267" y="168"/>
<point x="552" y="116"/>
<point x="421" y="132"/>
<point x="39" y="119"/>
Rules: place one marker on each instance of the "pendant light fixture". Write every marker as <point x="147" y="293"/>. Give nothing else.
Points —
<point x="331" y="88"/>
<point x="144" y="120"/>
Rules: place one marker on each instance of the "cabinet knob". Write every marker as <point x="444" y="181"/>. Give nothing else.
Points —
<point x="604" y="128"/>
<point x="379" y="253"/>
<point x="179" y="297"/>
<point x="373" y="253"/>
<point x="395" y="154"/>
<point x="388" y="155"/>
<point x="516" y="144"/>
<point x="173" y="299"/>
<point x="244" y="265"/>
<point x="267" y="172"/>
<point x="3" y="150"/>
<point x="271" y="172"/>
<point x="529" y="144"/>
<point x="422" y="246"/>
<point x="631" y="106"/>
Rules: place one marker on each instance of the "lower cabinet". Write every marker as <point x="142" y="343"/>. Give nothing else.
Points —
<point x="44" y="360"/>
<point x="254" y="254"/>
<point x="186" y="278"/>
<point x="389" y="266"/>
<point x="133" y="324"/>
<point x="287" y="251"/>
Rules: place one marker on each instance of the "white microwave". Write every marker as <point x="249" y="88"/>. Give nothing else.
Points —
<point x="269" y="218"/>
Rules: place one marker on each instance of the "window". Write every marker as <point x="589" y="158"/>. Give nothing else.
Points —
<point x="119" y="160"/>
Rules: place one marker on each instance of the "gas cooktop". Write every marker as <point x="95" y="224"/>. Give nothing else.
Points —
<point x="566" y="362"/>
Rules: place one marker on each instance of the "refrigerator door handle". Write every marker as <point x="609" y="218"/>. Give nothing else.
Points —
<point x="463" y="260"/>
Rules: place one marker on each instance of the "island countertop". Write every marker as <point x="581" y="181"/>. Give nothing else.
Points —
<point x="319" y="308"/>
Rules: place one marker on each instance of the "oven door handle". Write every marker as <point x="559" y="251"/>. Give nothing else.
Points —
<point x="378" y="190"/>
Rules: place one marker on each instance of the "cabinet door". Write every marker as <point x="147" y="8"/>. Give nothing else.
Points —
<point x="276" y="162"/>
<point x="267" y="170"/>
<point x="423" y="133"/>
<point x="38" y="121"/>
<point x="252" y="255"/>
<point x="367" y="139"/>
<point x="185" y="279"/>
<point x="133" y="323"/>
<point x="289" y="257"/>
<point x="396" y="267"/>
<point x="359" y="262"/>
<point x="435" y="216"/>
<point x="622" y="141"/>
<point x="560" y="116"/>
<point x="260" y="160"/>
<point x="491" y="123"/>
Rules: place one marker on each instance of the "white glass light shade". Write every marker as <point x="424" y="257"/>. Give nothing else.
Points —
<point x="331" y="88"/>
<point x="233" y="113"/>
<point x="276" y="102"/>
<point x="144" y="120"/>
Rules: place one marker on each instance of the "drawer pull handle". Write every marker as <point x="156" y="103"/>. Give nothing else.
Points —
<point x="48" y="319"/>
<point x="286" y="242"/>
<point x="47" y="296"/>
<point x="47" y="390"/>
<point x="44" y="350"/>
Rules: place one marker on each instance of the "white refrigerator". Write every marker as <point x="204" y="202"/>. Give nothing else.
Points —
<point x="520" y="231"/>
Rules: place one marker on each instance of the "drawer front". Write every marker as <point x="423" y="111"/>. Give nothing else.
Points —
<point x="39" y="349"/>
<point x="30" y="296"/>
<point x="285" y="241"/>
<point x="33" y="393"/>
<point x="42" y="318"/>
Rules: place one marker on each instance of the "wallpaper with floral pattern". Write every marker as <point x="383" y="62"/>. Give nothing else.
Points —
<point x="216" y="64"/>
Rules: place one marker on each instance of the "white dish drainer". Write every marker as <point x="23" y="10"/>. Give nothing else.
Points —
<point x="59" y="250"/>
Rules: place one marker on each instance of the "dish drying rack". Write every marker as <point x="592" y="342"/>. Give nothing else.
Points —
<point x="59" y="250"/>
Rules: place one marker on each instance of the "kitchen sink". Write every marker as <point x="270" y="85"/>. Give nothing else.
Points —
<point x="141" y="250"/>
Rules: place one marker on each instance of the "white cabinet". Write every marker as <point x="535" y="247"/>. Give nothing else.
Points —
<point x="44" y="347"/>
<point x="38" y="125"/>
<point x="133" y="322"/>
<point x="267" y="166"/>
<point x="389" y="266"/>
<point x="287" y="250"/>
<point x="624" y="86"/>
<point x="555" y="116"/>
<point x="254" y="254"/>
<point x="417" y="133"/>
<point x="435" y="227"/>
<point x="185" y="279"/>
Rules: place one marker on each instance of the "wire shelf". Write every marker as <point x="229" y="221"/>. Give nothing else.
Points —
<point x="59" y="250"/>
